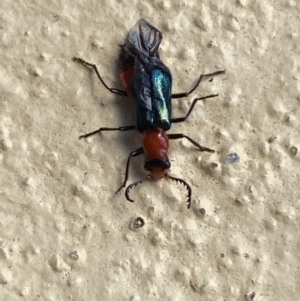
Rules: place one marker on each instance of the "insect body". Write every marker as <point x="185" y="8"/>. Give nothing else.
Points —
<point x="148" y="81"/>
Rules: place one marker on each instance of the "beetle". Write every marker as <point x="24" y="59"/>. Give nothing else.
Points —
<point x="148" y="81"/>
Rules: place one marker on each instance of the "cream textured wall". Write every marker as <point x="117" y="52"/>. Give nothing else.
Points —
<point x="64" y="234"/>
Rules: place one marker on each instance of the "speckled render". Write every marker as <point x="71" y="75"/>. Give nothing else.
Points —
<point x="65" y="235"/>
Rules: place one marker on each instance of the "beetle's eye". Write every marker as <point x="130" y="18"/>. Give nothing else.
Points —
<point x="157" y="163"/>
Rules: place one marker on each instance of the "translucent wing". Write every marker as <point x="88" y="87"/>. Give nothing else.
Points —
<point x="143" y="39"/>
<point x="151" y="84"/>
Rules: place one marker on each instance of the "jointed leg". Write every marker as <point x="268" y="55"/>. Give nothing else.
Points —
<point x="202" y="148"/>
<point x="112" y="90"/>
<point x="121" y="128"/>
<point x="132" y="154"/>
<point x="185" y="94"/>
<point x="181" y="119"/>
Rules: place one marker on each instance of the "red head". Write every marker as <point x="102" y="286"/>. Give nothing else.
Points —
<point x="155" y="145"/>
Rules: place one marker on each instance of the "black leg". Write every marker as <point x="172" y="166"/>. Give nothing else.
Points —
<point x="121" y="128"/>
<point x="185" y="94"/>
<point x="135" y="153"/>
<point x="181" y="119"/>
<point x="112" y="90"/>
<point x="202" y="148"/>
